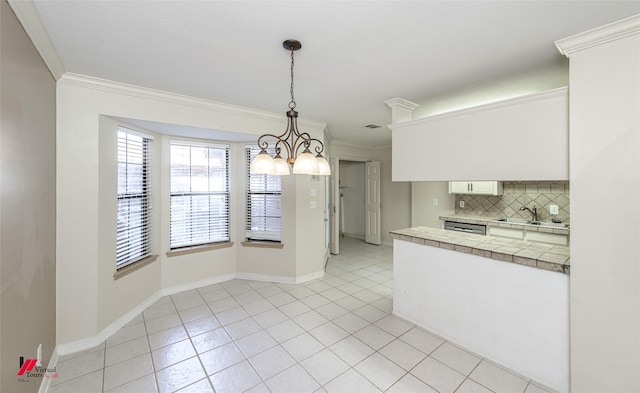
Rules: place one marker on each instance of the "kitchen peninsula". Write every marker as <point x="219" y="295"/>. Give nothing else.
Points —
<point x="506" y="299"/>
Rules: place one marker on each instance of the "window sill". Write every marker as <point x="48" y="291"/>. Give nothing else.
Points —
<point x="132" y="267"/>
<point x="196" y="249"/>
<point x="259" y="244"/>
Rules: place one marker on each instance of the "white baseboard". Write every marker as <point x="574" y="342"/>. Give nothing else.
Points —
<point x="90" y="342"/>
<point x="310" y="276"/>
<point x="104" y="334"/>
<point x="280" y="279"/>
<point x="354" y="235"/>
<point x="197" y="284"/>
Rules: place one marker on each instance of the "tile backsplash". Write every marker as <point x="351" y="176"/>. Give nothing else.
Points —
<point x="517" y="194"/>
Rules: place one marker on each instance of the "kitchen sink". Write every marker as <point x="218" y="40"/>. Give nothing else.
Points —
<point x="539" y="223"/>
<point x="515" y="220"/>
<point x="550" y="224"/>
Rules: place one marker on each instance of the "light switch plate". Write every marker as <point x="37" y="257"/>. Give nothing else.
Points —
<point x="462" y="204"/>
<point x="312" y="204"/>
<point x="553" y="209"/>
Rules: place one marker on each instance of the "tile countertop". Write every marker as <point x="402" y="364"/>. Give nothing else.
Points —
<point x="493" y="222"/>
<point x="537" y="255"/>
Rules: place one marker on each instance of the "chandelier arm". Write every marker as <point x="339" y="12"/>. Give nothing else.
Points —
<point x="264" y="144"/>
<point x="306" y="142"/>
<point x="286" y="147"/>
<point x="291" y="129"/>
<point x="301" y="140"/>
<point x="318" y="149"/>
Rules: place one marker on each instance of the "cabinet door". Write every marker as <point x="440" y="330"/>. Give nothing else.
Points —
<point x="484" y="187"/>
<point x="459" y="187"/>
<point x="511" y="233"/>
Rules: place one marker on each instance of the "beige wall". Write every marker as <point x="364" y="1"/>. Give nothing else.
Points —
<point x="27" y="214"/>
<point x="423" y="212"/>
<point x="115" y="297"/>
<point x="605" y="166"/>
<point x="395" y="198"/>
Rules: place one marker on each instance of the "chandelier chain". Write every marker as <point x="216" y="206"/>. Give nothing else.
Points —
<point x="292" y="103"/>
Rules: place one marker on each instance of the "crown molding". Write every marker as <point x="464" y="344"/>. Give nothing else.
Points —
<point x="32" y="24"/>
<point x="398" y="102"/>
<point x="600" y="35"/>
<point x="94" y="83"/>
<point x="559" y="92"/>
<point x="342" y="143"/>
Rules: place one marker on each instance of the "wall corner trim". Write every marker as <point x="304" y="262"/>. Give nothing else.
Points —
<point x="30" y="20"/>
<point x="600" y="35"/>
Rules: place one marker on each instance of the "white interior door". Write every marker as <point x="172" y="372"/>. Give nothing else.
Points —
<point x="372" y="198"/>
<point x="334" y="206"/>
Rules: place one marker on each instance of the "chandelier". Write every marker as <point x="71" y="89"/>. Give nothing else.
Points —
<point x="291" y="141"/>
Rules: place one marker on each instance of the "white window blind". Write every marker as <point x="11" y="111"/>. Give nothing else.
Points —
<point x="199" y="194"/>
<point x="134" y="197"/>
<point x="264" y="196"/>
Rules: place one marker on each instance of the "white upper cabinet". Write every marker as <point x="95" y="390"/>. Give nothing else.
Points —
<point x="475" y="187"/>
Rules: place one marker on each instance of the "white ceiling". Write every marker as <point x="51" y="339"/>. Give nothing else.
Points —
<point x="355" y="54"/>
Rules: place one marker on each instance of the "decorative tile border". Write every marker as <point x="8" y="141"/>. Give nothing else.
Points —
<point x="537" y="255"/>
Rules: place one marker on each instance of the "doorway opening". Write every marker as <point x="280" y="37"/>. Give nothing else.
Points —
<point x="355" y="202"/>
<point x="352" y="199"/>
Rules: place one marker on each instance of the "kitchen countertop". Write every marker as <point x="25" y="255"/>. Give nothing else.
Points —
<point x="493" y="222"/>
<point x="536" y="255"/>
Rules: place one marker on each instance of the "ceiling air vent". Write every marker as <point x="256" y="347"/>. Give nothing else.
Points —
<point x="372" y="126"/>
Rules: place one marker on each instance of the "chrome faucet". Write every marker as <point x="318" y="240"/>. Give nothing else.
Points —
<point x="534" y="212"/>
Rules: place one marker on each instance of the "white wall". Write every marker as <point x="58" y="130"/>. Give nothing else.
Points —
<point x="90" y="302"/>
<point x="605" y="165"/>
<point x="423" y="211"/>
<point x="512" y="314"/>
<point x="520" y="139"/>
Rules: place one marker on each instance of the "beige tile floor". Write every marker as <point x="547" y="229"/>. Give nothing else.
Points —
<point x="334" y="334"/>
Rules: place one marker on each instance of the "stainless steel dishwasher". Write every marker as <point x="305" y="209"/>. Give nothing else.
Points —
<point x="477" y="229"/>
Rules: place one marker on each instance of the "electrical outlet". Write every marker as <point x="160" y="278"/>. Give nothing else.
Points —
<point x="462" y="204"/>
<point x="312" y="204"/>
<point x="312" y="192"/>
<point x="435" y="202"/>
<point x="553" y="209"/>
